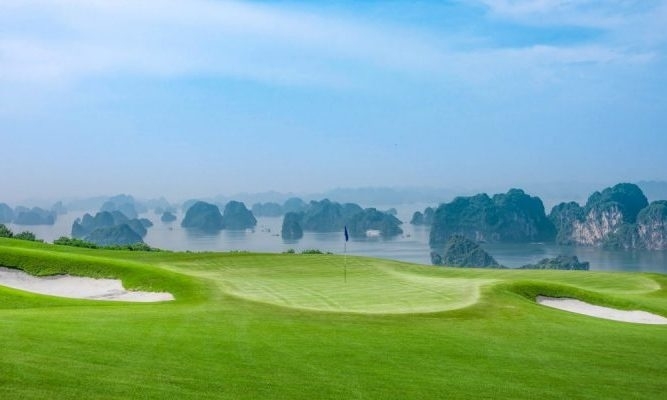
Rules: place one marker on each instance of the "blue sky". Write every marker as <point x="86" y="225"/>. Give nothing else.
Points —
<point x="189" y="98"/>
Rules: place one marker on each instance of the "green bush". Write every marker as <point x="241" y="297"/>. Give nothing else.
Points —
<point x="65" y="241"/>
<point x="26" y="235"/>
<point x="312" y="251"/>
<point x="5" y="232"/>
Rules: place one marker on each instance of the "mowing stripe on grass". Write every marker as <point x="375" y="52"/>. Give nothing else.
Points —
<point x="370" y="288"/>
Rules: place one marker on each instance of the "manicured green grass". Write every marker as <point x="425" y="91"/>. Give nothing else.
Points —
<point x="288" y="326"/>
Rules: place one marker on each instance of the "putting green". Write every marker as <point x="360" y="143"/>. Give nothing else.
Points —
<point x="365" y="286"/>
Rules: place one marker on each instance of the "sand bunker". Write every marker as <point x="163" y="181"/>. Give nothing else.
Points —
<point x="76" y="287"/>
<point x="579" y="307"/>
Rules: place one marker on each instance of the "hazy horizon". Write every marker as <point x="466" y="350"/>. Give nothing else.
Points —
<point x="416" y="197"/>
<point x="199" y="98"/>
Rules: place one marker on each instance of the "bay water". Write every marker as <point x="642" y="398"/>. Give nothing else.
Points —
<point x="411" y="246"/>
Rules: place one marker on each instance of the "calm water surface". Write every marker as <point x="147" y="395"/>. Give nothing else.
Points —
<point x="412" y="246"/>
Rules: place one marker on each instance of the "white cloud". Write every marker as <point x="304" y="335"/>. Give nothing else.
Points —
<point x="280" y="44"/>
<point x="629" y="32"/>
<point x="252" y="41"/>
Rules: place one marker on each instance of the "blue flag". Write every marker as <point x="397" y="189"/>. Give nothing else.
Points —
<point x="347" y="237"/>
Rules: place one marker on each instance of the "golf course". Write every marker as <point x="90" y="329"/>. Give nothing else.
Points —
<point x="323" y="326"/>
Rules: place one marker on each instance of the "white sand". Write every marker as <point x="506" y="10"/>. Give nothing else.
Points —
<point x="579" y="307"/>
<point x="76" y="287"/>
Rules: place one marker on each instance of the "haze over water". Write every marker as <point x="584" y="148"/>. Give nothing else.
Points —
<point x="412" y="246"/>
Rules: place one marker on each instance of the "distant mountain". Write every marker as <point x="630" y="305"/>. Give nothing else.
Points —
<point x="33" y="216"/>
<point x="125" y="204"/>
<point x="372" y="220"/>
<point x="6" y="214"/>
<point x="252" y="198"/>
<point x="327" y="216"/>
<point x="117" y="235"/>
<point x="330" y="216"/>
<point x="237" y="216"/>
<point x="167" y="217"/>
<point x="560" y="262"/>
<point x="160" y="203"/>
<point x="619" y="217"/>
<point x="389" y="196"/>
<point x="272" y="209"/>
<point x="423" y="218"/>
<point x="291" y="229"/>
<point x="110" y="228"/>
<point x="203" y="216"/>
<point x="553" y="193"/>
<point x="512" y="217"/>
<point x="58" y="208"/>
<point x="605" y="216"/>
<point x="459" y="251"/>
<point x="269" y="209"/>
<point x="367" y="196"/>
<point x="128" y="209"/>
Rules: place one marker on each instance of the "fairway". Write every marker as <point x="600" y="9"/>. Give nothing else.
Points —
<point x="292" y="326"/>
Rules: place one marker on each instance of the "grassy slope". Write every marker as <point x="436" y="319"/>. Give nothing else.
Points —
<point x="280" y="326"/>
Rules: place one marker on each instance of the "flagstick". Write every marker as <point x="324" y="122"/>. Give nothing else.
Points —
<point x="347" y="237"/>
<point x="345" y="262"/>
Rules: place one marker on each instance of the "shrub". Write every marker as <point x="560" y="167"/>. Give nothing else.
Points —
<point x="26" y="235"/>
<point x="5" y="232"/>
<point x="65" y="241"/>
<point x="312" y="251"/>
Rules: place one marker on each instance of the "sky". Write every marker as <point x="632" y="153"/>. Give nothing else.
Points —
<point x="188" y="98"/>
